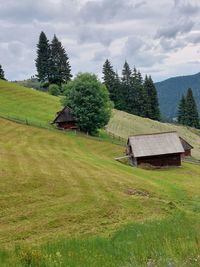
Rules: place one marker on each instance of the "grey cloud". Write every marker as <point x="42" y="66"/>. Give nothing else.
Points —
<point x="187" y="7"/>
<point x="108" y="10"/>
<point x="91" y="34"/>
<point x="44" y="10"/>
<point x="141" y="53"/>
<point x="140" y="4"/>
<point x="168" y="45"/>
<point x="175" y="28"/>
<point x="134" y="44"/>
<point x="101" y="55"/>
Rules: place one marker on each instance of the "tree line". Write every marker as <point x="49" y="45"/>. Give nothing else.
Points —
<point x="187" y="110"/>
<point x="130" y="92"/>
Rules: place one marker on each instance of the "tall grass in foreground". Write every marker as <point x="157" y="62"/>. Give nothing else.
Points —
<point x="171" y="242"/>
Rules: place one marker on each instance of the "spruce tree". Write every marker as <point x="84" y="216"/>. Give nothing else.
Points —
<point x="137" y="93"/>
<point x="152" y="105"/>
<point x="2" y="76"/>
<point x="119" y="98"/>
<point x="60" y="69"/>
<point x="182" y="111"/>
<point x="126" y="74"/>
<point x="109" y="77"/>
<point x="192" y="116"/>
<point x="147" y="105"/>
<point x="43" y="56"/>
<point x="126" y="87"/>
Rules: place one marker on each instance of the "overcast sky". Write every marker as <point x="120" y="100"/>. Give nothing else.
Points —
<point x="159" y="37"/>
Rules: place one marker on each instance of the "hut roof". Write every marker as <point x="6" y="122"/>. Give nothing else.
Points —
<point x="65" y="115"/>
<point x="155" y="144"/>
<point x="185" y="144"/>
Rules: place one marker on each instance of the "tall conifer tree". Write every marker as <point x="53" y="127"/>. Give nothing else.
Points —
<point x="182" y="111"/>
<point x="119" y="99"/>
<point x="109" y="77"/>
<point x="137" y="91"/>
<point x="152" y="104"/>
<point x="126" y="86"/>
<point x="2" y="75"/>
<point x="43" y="56"/>
<point x="60" y="69"/>
<point x="192" y="116"/>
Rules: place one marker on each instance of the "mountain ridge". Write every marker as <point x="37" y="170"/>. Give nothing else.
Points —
<point x="171" y="90"/>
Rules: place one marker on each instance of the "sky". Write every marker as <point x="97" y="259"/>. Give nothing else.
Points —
<point x="159" y="37"/>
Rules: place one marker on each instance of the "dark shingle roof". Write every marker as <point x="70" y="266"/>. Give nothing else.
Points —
<point x="65" y="115"/>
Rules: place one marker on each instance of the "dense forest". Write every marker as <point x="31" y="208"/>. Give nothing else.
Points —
<point x="130" y="92"/>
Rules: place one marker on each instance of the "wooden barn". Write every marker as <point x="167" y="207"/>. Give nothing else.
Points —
<point x="187" y="148"/>
<point x="65" y="119"/>
<point x="159" y="149"/>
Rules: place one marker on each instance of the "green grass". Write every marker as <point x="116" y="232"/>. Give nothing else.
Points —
<point x="62" y="192"/>
<point x="124" y="125"/>
<point x="174" y="241"/>
<point x="27" y="105"/>
<point x="56" y="185"/>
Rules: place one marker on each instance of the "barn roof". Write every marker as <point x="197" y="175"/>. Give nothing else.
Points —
<point x="65" y="115"/>
<point x="185" y="144"/>
<point x="155" y="144"/>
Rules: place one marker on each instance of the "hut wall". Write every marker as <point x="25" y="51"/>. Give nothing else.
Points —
<point x="67" y="125"/>
<point x="187" y="153"/>
<point x="161" y="160"/>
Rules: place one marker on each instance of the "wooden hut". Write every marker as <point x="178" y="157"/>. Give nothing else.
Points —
<point x="159" y="149"/>
<point x="187" y="148"/>
<point x="65" y="119"/>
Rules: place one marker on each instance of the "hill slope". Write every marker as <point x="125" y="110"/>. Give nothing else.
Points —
<point x="124" y="124"/>
<point x="171" y="90"/>
<point x="54" y="184"/>
<point x="28" y="104"/>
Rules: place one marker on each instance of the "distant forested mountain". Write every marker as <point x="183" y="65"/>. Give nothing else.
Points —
<point x="171" y="90"/>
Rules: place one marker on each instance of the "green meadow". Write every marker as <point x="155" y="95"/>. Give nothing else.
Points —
<point x="27" y="105"/>
<point x="65" y="201"/>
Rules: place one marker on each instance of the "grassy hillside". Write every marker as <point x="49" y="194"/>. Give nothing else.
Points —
<point x="171" y="90"/>
<point x="39" y="108"/>
<point x="124" y="125"/>
<point x="63" y="196"/>
<point x="27" y="104"/>
<point x="55" y="185"/>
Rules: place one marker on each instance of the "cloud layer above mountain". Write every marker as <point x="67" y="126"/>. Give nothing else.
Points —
<point x="158" y="37"/>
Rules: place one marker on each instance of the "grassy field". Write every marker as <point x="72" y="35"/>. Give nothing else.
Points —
<point x="124" y="125"/>
<point x="27" y="105"/>
<point x="65" y="201"/>
<point x="55" y="185"/>
<point x="170" y="242"/>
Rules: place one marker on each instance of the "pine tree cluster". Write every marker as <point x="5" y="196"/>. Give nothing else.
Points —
<point x="130" y="92"/>
<point x="187" y="111"/>
<point x="52" y="62"/>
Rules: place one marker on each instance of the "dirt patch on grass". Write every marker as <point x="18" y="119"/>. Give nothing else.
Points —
<point x="138" y="192"/>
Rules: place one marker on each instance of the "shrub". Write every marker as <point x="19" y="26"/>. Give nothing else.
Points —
<point x="54" y="89"/>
